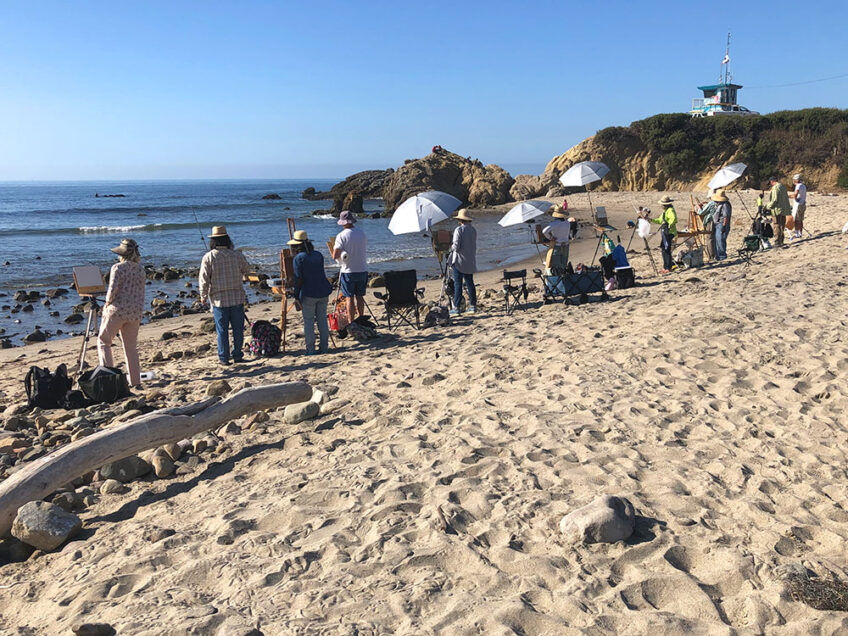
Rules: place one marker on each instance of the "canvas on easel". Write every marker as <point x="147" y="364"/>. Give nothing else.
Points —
<point x="88" y="281"/>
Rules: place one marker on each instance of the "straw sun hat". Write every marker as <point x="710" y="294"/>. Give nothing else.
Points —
<point x="218" y="231"/>
<point x="666" y="200"/>
<point x="126" y="248"/>
<point x="299" y="237"/>
<point x="719" y="196"/>
<point x="558" y="214"/>
<point x="462" y="215"/>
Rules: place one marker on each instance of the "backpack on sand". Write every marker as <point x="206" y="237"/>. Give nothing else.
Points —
<point x="104" y="384"/>
<point x="265" y="339"/>
<point x="47" y="390"/>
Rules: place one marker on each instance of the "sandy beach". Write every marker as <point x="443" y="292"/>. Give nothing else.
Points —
<point x="426" y="497"/>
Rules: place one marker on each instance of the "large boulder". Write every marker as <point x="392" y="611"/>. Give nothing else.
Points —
<point x="468" y="180"/>
<point x="528" y="186"/>
<point x="44" y="526"/>
<point x="369" y="184"/>
<point x="607" y="519"/>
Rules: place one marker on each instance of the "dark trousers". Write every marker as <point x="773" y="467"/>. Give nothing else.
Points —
<point x="226" y="318"/>
<point x="780" y="222"/>
<point x="458" y="278"/>
<point x="665" y="248"/>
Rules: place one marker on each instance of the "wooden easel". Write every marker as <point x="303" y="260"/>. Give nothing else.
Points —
<point x="696" y="227"/>
<point x="286" y="284"/>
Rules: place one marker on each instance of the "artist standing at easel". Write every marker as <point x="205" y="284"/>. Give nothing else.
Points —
<point x="123" y="309"/>
<point x="222" y="273"/>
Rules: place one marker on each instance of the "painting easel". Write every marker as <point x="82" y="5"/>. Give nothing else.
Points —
<point x="696" y="229"/>
<point x="287" y="282"/>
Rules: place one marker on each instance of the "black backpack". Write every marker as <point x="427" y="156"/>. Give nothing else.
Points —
<point x="104" y="384"/>
<point x="265" y="339"/>
<point x="47" y="390"/>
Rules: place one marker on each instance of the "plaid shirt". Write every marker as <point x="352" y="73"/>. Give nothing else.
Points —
<point x="222" y="273"/>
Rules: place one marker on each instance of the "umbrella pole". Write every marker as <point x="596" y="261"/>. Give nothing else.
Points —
<point x="743" y="205"/>
<point x="591" y="207"/>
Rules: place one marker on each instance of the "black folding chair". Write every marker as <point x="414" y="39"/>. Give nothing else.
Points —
<point x="401" y="299"/>
<point x="515" y="294"/>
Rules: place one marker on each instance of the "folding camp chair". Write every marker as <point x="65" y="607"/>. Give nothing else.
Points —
<point x="750" y="245"/>
<point x="515" y="295"/>
<point x="402" y="297"/>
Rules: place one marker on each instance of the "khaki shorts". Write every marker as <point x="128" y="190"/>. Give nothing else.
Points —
<point x="798" y="212"/>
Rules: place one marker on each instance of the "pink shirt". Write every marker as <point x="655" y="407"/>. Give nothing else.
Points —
<point x="125" y="298"/>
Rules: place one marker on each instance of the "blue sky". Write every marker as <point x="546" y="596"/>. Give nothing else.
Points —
<point x="120" y="90"/>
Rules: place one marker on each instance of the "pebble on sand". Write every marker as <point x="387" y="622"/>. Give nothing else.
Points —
<point x="607" y="519"/>
<point x="44" y="526"/>
<point x="218" y="387"/>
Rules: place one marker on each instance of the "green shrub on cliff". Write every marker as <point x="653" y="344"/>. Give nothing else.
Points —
<point x="814" y="137"/>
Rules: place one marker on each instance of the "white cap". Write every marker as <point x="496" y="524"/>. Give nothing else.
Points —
<point x="797" y="177"/>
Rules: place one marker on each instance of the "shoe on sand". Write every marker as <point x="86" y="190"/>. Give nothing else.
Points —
<point x="472" y="309"/>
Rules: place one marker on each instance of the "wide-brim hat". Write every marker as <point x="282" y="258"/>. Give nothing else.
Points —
<point x="558" y="214"/>
<point x="719" y="196"/>
<point x="299" y="237"/>
<point x="666" y="200"/>
<point x="127" y="247"/>
<point x="218" y="231"/>
<point x="346" y="217"/>
<point x="462" y="215"/>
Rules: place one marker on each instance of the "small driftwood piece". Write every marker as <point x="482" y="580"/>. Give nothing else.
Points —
<point x="53" y="471"/>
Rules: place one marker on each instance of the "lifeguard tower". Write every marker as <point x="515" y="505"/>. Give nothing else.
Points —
<point x="720" y="99"/>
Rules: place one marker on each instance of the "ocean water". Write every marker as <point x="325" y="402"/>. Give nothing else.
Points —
<point x="47" y="228"/>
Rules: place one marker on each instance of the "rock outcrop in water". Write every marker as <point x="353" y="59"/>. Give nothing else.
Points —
<point x="350" y="193"/>
<point x="467" y="179"/>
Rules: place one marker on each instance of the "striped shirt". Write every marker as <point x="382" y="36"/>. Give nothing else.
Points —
<point x="222" y="274"/>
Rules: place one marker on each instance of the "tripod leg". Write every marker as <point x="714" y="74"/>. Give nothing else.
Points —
<point x="651" y="257"/>
<point x="90" y="323"/>
<point x="600" y="240"/>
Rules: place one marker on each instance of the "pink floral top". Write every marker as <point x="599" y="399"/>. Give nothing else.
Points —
<point x="125" y="298"/>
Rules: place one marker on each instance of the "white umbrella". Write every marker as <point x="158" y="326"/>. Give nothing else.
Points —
<point x="418" y="213"/>
<point x="726" y="175"/>
<point x="524" y="211"/>
<point x="584" y="172"/>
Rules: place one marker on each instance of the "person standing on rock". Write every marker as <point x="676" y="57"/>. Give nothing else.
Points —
<point x="222" y="273"/>
<point x="799" y="205"/>
<point x="349" y="250"/>
<point x="668" y="230"/>
<point x="311" y="291"/>
<point x="123" y="308"/>
<point x="463" y="262"/>
<point x="778" y="205"/>
<point x="721" y="219"/>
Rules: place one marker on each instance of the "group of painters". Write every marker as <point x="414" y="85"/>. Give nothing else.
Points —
<point x="778" y="206"/>
<point x="223" y="269"/>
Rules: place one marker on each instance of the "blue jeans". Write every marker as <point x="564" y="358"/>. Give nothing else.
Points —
<point x="226" y="317"/>
<point x="458" y="277"/>
<point x="721" y="242"/>
<point x="315" y="311"/>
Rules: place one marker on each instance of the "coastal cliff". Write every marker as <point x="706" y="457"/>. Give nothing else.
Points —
<point x="678" y="152"/>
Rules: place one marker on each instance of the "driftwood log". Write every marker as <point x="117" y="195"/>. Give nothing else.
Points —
<point x="45" y="475"/>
